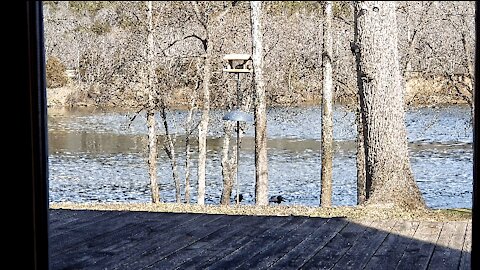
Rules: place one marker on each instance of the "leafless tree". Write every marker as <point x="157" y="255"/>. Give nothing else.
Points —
<point x="152" y="134"/>
<point x="389" y="178"/>
<point x="207" y="17"/>
<point x="175" y="73"/>
<point x="261" y="160"/>
<point x="229" y="152"/>
<point x="105" y="43"/>
<point x="327" y="108"/>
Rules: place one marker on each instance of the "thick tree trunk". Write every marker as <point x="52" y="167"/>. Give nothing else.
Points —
<point x="382" y="107"/>
<point x="261" y="161"/>
<point x="327" y="109"/>
<point x="152" y="136"/>
<point x="203" y="128"/>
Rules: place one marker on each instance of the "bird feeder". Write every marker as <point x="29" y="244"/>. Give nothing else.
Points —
<point x="238" y="63"/>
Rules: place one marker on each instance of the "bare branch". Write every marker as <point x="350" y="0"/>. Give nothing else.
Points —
<point x="135" y="116"/>
<point x="198" y="15"/>
<point x="204" y="42"/>
<point x="342" y="19"/>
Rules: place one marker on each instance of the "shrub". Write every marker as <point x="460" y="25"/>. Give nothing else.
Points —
<point x="56" y="76"/>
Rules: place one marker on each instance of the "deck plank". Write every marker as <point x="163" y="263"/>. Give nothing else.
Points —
<point x="161" y="249"/>
<point x="466" y="260"/>
<point x="112" y="246"/>
<point x="95" y="227"/>
<point x="299" y="255"/>
<point x="276" y="250"/>
<point x="198" y="248"/>
<point x="61" y="217"/>
<point x="137" y="240"/>
<point x="391" y="250"/>
<point x="143" y="245"/>
<point x="234" y="242"/>
<point x="258" y="244"/>
<point x="85" y="218"/>
<point x="418" y="252"/>
<point x="145" y="240"/>
<point x="363" y="249"/>
<point x="448" y="249"/>
<point x="328" y="256"/>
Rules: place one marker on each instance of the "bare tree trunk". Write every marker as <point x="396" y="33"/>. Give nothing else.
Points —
<point x="361" y="178"/>
<point x="187" y="169"/>
<point x="261" y="160"/>
<point x="228" y="164"/>
<point x="229" y="161"/>
<point x="169" y="146"/>
<point x="152" y="136"/>
<point x="382" y="106"/>
<point x="202" y="17"/>
<point x="188" y="132"/>
<point x="471" y="74"/>
<point x="203" y="128"/>
<point x="327" y="109"/>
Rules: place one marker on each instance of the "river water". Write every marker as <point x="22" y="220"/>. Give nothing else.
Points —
<point x="99" y="156"/>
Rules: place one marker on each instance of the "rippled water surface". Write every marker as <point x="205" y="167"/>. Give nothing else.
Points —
<point x="100" y="155"/>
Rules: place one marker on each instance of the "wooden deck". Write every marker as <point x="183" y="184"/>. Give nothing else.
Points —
<point x="138" y="240"/>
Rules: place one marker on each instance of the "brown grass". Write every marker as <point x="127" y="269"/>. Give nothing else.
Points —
<point x="352" y="213"/>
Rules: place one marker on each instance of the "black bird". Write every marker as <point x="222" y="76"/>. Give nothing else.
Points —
<point x="276" y="199"/>
<point x="240" y="198"/>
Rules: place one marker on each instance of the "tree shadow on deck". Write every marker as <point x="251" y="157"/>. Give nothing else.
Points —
<point x="131" y="240"/>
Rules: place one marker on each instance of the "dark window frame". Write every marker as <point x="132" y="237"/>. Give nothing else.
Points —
<point x="32" y="115"/>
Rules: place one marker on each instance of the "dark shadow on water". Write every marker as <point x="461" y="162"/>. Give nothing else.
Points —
<point x="84" y="239"/>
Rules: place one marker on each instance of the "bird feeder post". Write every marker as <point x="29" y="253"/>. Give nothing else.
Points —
<point x="238" y="158"/>
<point x="237" y="63"/>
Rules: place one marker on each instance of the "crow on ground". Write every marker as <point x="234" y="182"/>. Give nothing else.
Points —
<point x="240" y="198"/>
<point x="276" y="199"/>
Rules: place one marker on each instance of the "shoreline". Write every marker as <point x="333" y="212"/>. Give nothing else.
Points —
<point x="420" y="91"/>
<point x="348" y="212"/>
<point x="56" y="108"/>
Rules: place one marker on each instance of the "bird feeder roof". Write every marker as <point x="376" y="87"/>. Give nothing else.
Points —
<point x="237" y="56"/>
